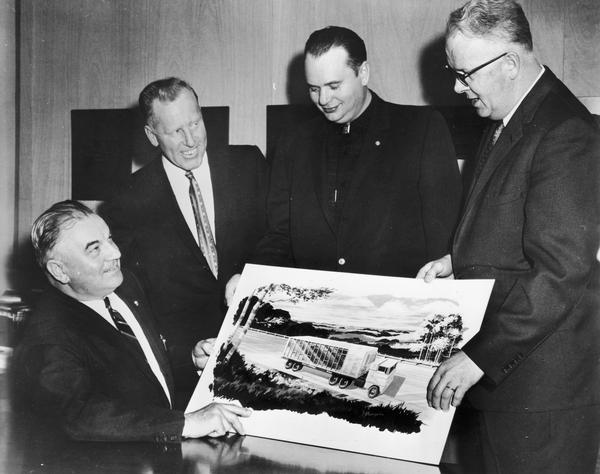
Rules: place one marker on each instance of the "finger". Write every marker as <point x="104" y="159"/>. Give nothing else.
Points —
<point x="436" y="395"/>
<point x="446" y="398"/>
<point x="423" y="271"/>
<point x="238" y="410"/>
<point x="433" y="272"/>
<point x="205" y="347"/>
<point x="220" y="427"/>
<point x="438" y="390"/>
<point x="431" y="387"/>
<point x="459" y="394"/>
<point x="237" y="426"/>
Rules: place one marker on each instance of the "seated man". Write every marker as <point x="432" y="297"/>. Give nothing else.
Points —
<point x="91" y="358"/>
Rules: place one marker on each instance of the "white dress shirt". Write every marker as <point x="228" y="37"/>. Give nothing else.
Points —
<point x="181" y="188"/>
<point x="119" y="305"/>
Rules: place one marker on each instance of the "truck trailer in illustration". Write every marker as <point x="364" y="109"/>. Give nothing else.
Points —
<point x="346" y="363"/>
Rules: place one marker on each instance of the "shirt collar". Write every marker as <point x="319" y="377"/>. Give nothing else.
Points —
<point x="506" y="119"/>
<point x="176" y="173"/>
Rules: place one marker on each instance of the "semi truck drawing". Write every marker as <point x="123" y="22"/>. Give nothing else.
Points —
<point x="346" y="363"/>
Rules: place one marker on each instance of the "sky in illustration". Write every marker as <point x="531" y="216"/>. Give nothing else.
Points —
<point x="376" y="311"/>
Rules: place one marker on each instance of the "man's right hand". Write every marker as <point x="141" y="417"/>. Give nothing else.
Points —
<point x="216" y="419"/>
<point x="230" y="288"/>
<point x="440" y="268"/>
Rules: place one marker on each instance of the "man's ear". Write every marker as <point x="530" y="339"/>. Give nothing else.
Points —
<point x="151" y="135"/>
<point x="57" y="270"/>
<point x="513" y="63"/>
<point x="364" y="73"/>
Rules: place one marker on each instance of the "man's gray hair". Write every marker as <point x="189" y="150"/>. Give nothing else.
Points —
<point x="47" y="227"/>
<point x="501" y="18"/>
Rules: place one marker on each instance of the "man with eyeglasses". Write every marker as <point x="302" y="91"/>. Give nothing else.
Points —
<point x="531" y="223"/>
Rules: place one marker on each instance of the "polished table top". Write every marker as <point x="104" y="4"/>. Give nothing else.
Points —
<point x="27" y="445"/>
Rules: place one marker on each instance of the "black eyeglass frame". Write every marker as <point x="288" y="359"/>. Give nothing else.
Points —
<point x="463" y="76"/>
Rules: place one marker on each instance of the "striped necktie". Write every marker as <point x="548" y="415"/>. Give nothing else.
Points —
<point x="493" y="134"/>
<point x="205" y="236"/>
<point x="119" y="321"/>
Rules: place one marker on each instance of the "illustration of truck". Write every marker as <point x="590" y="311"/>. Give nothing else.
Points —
<point x="346" y="363"/>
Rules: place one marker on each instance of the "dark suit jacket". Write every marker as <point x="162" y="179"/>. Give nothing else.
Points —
<point x="94" y="383"/>
<point x="401" y="207"/>
<point x="531" y="222"/>
<point x="158" y="246"/>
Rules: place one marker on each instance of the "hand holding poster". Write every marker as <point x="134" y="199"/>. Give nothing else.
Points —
<point x="341" y="360"/>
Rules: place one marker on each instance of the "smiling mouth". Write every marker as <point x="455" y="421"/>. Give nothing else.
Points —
<point x="329" y="110"/>
<point x="190" y="153"/>
<point x="113" y="268"/>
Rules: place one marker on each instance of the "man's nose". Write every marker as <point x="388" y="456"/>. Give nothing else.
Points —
<point x="113" y="251"/>
<point x="459" y="87"/>
<point x="188" y="138"/>
<point x="323" y="97"/>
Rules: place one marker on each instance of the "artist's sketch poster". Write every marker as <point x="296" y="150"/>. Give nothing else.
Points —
<point x="341" y="360"/>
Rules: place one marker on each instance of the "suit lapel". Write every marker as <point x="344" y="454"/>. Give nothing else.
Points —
<point x="506" y="142"/>
<point x="140" y="312"/>
<point x="92" y="323"/>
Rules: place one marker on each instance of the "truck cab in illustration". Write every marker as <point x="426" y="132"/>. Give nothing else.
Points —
<point x="380" y="376"/>
<point x="346" y="363"/>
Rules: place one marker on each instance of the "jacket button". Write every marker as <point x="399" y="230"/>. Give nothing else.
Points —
<point x="377" y="143"/>
<point x="342" y="261"/>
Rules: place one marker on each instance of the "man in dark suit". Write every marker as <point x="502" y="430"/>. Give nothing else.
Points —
<point x="183" y="246"/>
<point x="91" y="359"/>
<point x="368" y="187"/>
<point x="531" y="223"/>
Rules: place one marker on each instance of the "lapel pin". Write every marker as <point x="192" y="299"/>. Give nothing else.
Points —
<point x="377" y="143"/>
<point x="135" y="302"/>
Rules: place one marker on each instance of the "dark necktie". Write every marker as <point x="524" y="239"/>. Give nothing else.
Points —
<point x="119" y="321"/>
<point x="493" y="134"/>
<point x="205" y="236"/>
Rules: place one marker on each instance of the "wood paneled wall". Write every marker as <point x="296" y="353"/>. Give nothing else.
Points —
<point x="240" y="53"/>
<point x="8" y="105"/>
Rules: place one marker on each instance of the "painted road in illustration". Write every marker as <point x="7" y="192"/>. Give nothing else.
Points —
<point x="409" y="385"/>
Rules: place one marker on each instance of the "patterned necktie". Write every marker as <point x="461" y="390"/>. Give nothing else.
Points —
<point x="119" y="321"/>
<point x="494" y="133"/>
<point x="205" y="236"/>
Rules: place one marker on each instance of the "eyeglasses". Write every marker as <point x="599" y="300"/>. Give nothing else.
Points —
<point x="463" y="76"/>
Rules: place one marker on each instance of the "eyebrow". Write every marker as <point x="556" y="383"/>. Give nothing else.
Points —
<point x="330" y="83"/>
<point x="91" y="244"/>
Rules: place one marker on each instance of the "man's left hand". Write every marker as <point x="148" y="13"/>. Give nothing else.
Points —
<point x="451" y="381"/>
<point x="202" y="351"/>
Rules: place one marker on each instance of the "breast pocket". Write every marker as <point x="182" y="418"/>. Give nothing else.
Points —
<point x="504" y="198"/>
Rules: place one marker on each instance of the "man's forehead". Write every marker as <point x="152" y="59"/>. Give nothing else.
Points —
<point x="167" y="110"/>
<point x="82" y="231"/>
<point x="465" y="51"/>
<point x="329" y="64"/>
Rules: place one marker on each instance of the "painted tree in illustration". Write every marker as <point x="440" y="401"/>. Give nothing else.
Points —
<point x="438" y="336"/>
<point x="273" y="293"/>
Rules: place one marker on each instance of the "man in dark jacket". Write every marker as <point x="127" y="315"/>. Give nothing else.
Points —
<point x="91" y="358"/>
<point x="531" y="223"/>
<point x="369" y="186"/>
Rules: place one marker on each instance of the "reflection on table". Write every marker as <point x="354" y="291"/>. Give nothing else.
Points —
<point x="29" y="446"/>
